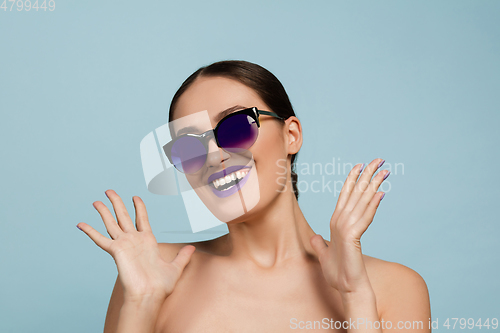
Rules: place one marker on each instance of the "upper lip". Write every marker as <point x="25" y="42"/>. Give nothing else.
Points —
<point x="226" y="172"/>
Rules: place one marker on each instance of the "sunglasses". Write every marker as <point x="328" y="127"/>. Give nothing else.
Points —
<point x="235" y="132"/>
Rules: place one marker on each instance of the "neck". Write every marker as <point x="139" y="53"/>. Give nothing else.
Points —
<point x="277" y="234"/>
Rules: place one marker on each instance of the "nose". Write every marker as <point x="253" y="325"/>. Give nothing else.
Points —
<point x="215" y="154"/>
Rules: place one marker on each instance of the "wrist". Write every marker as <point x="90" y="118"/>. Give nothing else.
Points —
<point x="145" y="300"/>
<point x="360" y="295"/>
<point x="361" y="303"/>
<point x="139" y="315"/>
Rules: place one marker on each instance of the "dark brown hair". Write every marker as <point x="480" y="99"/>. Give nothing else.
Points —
<point x="262" y="81"/>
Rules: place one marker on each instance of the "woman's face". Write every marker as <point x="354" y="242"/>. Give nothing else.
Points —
<point x="260" y="169"/>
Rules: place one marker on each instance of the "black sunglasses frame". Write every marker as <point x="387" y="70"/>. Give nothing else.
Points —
<point x="206" y="136"/>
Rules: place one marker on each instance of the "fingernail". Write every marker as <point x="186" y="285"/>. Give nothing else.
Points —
<point x="106" y="194"/>
<point x="383" y="195"/>
<point x="381" y="163"/>
<point x="78" y="227"/>
<point x="386" y="175"/>
<point x="361" y="169"/>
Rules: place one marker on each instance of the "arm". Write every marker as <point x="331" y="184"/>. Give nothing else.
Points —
<point x="360" y="307"/>
<point x="168" y="252"/>
<point x="124" y="317"/>
<point x="139" y="316"/>
<point x="147" y="279"/>
<point x="398" y="302"/>
<point x="114" y="307"/>
<point x="343" y="263"/>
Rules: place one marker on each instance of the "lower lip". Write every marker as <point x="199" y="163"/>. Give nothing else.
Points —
<point x="234" y="189"/>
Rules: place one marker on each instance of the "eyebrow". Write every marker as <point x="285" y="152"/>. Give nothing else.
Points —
<point x="189" y="129"/>
<point x="227" y="111"/>
<point x="217" y="118"/>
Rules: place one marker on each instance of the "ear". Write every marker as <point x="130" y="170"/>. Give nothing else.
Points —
<point x="293" y="130"/>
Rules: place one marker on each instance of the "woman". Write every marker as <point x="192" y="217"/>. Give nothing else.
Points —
<point x="271" y="273"/>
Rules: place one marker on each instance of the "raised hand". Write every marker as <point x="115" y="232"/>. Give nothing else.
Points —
<point x="142" y="271"/>
<point x="342" y="261"/>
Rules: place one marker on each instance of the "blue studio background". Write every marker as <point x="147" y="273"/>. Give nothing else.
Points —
<point x="413" y="82"/>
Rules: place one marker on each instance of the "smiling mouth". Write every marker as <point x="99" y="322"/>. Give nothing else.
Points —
<point x="227" y="182"/>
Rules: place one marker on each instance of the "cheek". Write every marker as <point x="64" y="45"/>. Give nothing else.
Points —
<point x="196" y="181"/>
<point x="270" y="159"/>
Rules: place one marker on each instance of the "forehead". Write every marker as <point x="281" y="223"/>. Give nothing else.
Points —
<point x="215" y="94"/>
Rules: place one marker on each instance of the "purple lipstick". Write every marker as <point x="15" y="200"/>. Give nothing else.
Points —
<point x="229" y="181"/>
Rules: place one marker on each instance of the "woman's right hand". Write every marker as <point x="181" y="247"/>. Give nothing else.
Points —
<point x="142" y="271"/>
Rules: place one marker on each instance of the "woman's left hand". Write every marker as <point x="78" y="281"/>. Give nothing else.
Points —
<point x="342" y="261"/>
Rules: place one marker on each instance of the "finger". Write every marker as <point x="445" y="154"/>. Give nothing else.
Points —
<point x="183" y="257"/>
<point x="319" y="245"/>
<point x="122" y="216"/>
<point x="363" y="183"/>
<point x="141" y="215"/>
<point x="348" y="186"/>
<point x="112" y="227"/>
<point x="369" y="213"/>
<point x="101" y="241"/>
<point x="368" y="194"/>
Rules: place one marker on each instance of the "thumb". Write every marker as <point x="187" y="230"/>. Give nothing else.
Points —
<point x="183" y="257"/>
<point x="318" y="244"/>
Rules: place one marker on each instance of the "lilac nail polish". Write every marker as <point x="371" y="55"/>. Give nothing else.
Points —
<point x="381" y="163"/>
<point x="361" y="168"/>
<point x="387" y="175"/>
<point x="78" y="227"/>
<point x="383" y="195"/>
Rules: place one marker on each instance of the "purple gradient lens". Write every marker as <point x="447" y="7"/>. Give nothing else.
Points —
<point x="188" y="154"/>
<point x="237" y="132"/>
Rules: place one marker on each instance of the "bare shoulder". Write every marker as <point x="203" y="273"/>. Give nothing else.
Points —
<point x="169" y="250"/>
<point x="400" y="291"/>
<point x="217" y="246"/>
<point x="391" y="274"/>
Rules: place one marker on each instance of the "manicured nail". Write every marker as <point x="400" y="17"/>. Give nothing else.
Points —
<point x="361" y="168"/>
<point x="381" y="163"/>
<point x="106" y="194"/>
<point x="386" y="175"/>
<point x="383" y="195"/>
<point x="78" y="227"/>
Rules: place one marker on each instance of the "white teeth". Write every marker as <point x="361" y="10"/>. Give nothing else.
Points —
<point x="233" y="176"/>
